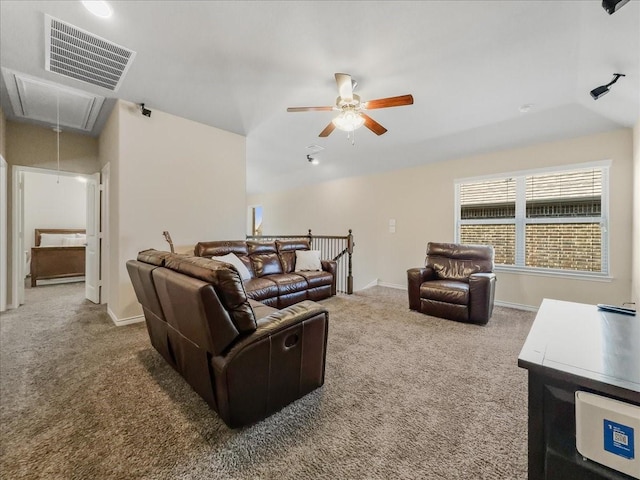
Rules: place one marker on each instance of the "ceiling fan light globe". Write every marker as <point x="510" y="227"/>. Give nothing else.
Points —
<point x="348" y="121"/>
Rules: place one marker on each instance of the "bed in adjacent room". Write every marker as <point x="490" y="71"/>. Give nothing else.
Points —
<point x="58" y="253"/>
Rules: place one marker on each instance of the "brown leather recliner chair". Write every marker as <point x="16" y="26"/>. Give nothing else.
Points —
<point x="246" y="359"/>
<point x="457" y="283"/>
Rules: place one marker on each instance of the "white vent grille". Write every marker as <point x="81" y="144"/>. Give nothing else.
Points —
<point x="75" y="53"/>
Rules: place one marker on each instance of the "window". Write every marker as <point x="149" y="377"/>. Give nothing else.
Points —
<point x="551" y="221"/>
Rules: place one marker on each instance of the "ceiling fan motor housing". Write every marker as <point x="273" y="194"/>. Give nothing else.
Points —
<point x="352" y="103"/>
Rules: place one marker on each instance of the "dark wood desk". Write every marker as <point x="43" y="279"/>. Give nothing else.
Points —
<point x="573" y="346"/>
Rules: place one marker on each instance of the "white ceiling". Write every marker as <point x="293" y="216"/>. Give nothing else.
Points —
<point x="469" y="65"/>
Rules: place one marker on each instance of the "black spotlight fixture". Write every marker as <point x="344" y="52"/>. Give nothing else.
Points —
<point x="312" y="160"/>
<point x="145" y="111"/>
<point x="598" y="92"/>
<point x="612" y="6"/>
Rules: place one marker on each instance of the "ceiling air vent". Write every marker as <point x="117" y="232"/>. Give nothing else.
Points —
<point x="76" y="53"/>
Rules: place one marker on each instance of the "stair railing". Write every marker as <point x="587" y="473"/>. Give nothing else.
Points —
<point x="334" y="247"/>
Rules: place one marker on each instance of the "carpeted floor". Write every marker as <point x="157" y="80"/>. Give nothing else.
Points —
<point x="406" y="396"/>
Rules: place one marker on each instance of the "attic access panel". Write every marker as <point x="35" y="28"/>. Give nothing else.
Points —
<point x="40" y="100"/>
<point x="78" y="54"/>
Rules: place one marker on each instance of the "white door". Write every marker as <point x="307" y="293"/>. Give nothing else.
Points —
<point x="20" y="265"/>
<point x="92" y="267"/>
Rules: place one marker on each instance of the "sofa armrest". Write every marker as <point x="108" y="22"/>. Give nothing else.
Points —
<point x="481" y="294"/>
<point x="331" y="267"/>
<point x="415" y="278"/>
<point x="276" y="322"/>
<point x="281" y="361"/>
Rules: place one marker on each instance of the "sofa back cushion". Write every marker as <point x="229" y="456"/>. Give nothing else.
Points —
<point x="264" y="258"/>
<point x="227" y="285"/>
<point x="454" y="261"/>
<point x="194" y="311"/>
<point x="154" y="257"/>
<point x="141" y="278"/>
<point x="287" y="252"/>
<point x="238" y="264"/>
<point x="224" y="247"/>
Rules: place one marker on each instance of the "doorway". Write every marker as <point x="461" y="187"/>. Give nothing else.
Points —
<point x="51" y="199"/>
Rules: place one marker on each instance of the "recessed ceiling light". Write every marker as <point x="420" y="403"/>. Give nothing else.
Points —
<point x="525" y="108"/>
<point x="99" y="8"/>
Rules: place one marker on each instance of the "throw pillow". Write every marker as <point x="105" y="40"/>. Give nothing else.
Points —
<point x="236" y="262"/>
<point x="51" y="239"/>
<point x="73" y="242"/>
<point x="308" y="260"/>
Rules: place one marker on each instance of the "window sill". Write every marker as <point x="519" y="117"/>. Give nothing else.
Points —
<point x="548" y="272"/>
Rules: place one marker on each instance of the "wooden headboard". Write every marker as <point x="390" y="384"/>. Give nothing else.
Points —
<point x="40" y="231"/>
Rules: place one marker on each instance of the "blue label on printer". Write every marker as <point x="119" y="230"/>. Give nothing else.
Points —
<point x="618" y="439"/>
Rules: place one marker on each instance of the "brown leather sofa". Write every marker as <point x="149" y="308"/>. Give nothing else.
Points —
<point x="274" y="280"/>
<point x="246" y="359"/>
<point x="457" y="283"/>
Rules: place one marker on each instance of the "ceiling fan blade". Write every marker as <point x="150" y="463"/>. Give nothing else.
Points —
<point x="372" y="125"/>
<point x="327" y="130"/>
<point x="345" y="87"/>
<point x="310" y="109"/>
<point x="389" y="102"/>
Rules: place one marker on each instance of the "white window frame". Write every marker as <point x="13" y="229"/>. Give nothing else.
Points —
<point x="520" y="221"/>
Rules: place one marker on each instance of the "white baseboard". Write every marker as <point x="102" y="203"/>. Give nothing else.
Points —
<point x="392" y="285"/>
<point x="372" y="283"/>
<point x="119" y="322"/>
<point x="516" y="306"/>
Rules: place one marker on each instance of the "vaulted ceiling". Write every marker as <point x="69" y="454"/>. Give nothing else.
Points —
<point x="470" y="66"/>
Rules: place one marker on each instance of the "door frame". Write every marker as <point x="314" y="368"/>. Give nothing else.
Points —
<point x="4" y="212"/>
<point x="105" y="249"/>
<point x="17" y="236"/>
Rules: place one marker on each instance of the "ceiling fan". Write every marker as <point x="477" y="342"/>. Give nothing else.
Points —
<point x="351" y="109"/>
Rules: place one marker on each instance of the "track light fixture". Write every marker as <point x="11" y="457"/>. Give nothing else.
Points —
<point x="598" y="92"/>
<point x="145" y="111"/>
<point x="312" y="160"/>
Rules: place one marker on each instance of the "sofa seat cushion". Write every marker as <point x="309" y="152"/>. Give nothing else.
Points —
<point x="261" y="289"/>
<point x="447" y="291"/>
<point x="289" y="283"/>
<point x="316" y="279"/>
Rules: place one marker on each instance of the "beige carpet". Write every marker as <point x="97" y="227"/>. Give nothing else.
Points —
<point x="406" y="396"/>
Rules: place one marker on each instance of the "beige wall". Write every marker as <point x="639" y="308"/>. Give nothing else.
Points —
<point x="635" y="294"/>
<point x="168" y="173"/>
<point x="34" y="146"/>
<point x="109" y="148"/>
<point x="421" y="200"/>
